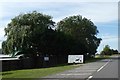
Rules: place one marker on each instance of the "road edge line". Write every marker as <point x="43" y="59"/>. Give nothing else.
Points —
<point x="103" y="66"/>
<point x="89" y="77"/>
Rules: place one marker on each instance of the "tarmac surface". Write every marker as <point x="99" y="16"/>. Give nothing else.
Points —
<point x="106" y="69"/>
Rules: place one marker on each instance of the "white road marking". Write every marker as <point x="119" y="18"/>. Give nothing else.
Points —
<point x="89" y="77"/>
<point x="100" y="68"/>
<point x="86" y="68"/>
<point x="83" y="71"/>
<point x="103" y="66"/>
<point x="75" y="74"/>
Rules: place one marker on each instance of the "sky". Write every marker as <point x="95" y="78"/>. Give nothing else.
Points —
<point x="104" y="14"/>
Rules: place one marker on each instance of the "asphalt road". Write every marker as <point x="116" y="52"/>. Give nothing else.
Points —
<point x="109" y="71"/>
<point x="106" y="69"/>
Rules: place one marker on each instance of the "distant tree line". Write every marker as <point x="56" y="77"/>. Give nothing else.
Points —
<point x="36" y="33"/>
<point x="108" y="51"/>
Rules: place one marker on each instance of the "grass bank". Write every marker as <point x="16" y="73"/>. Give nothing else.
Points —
<point x="97" y="58"/>
<point x="36" y="73"/>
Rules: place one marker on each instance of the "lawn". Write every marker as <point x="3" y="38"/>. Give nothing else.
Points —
<point x="97" y="58"/>
<point x="35" y="73"/>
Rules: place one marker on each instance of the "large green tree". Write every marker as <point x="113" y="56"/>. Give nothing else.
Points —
<point x="33" y="33"/>
<point x="82" y="30"/>
<point x="25" y="31"/>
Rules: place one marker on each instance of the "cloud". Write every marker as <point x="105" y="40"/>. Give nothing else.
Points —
<point x="96" y="11"/>
<point x="2" y="33"/>
<point x="108" y="39"/>
<point x="59" y="1"/>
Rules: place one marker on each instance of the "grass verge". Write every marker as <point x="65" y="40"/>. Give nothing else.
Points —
<point x="97" y="58"/>
<point x="35" y="73"/>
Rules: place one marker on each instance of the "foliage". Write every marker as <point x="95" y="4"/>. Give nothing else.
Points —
<point x="24" y="30"/>
<point x="33" y="33"/>
<point x="106" y="48"/>
<point x="108" y="51"/>
<point x="114" y="51"/>
<point x="82" y="30"/>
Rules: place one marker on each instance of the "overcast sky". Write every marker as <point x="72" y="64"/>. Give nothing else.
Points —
<point x="104" y="14"/>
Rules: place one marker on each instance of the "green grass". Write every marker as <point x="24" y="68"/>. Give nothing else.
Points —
<point x="97" y="58"/>
<point x="36" y="73"/>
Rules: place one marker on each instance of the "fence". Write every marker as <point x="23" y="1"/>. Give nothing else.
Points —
<point x="29" y="63"/>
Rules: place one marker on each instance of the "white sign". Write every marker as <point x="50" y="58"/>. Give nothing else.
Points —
<point x="46" y="58"/>
<point x="75" y="58"/>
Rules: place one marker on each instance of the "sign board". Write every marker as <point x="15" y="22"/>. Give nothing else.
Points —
<point x="75" y="59"/>
<point x="46" y="58"/>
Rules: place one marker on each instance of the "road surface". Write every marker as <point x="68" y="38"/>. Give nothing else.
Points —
<point x="106" y="69"/>
<point x="109" y="71"/>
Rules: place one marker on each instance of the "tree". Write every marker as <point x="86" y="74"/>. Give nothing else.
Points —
<point x="33" y="33"/>
<point x="106" y="50"/>
<point x="83" y="31"/>
<point x="24" y="32"/>
<point x="114" y="51"/>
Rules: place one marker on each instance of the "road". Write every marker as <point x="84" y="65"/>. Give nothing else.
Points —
<point x="106" y="69"/>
